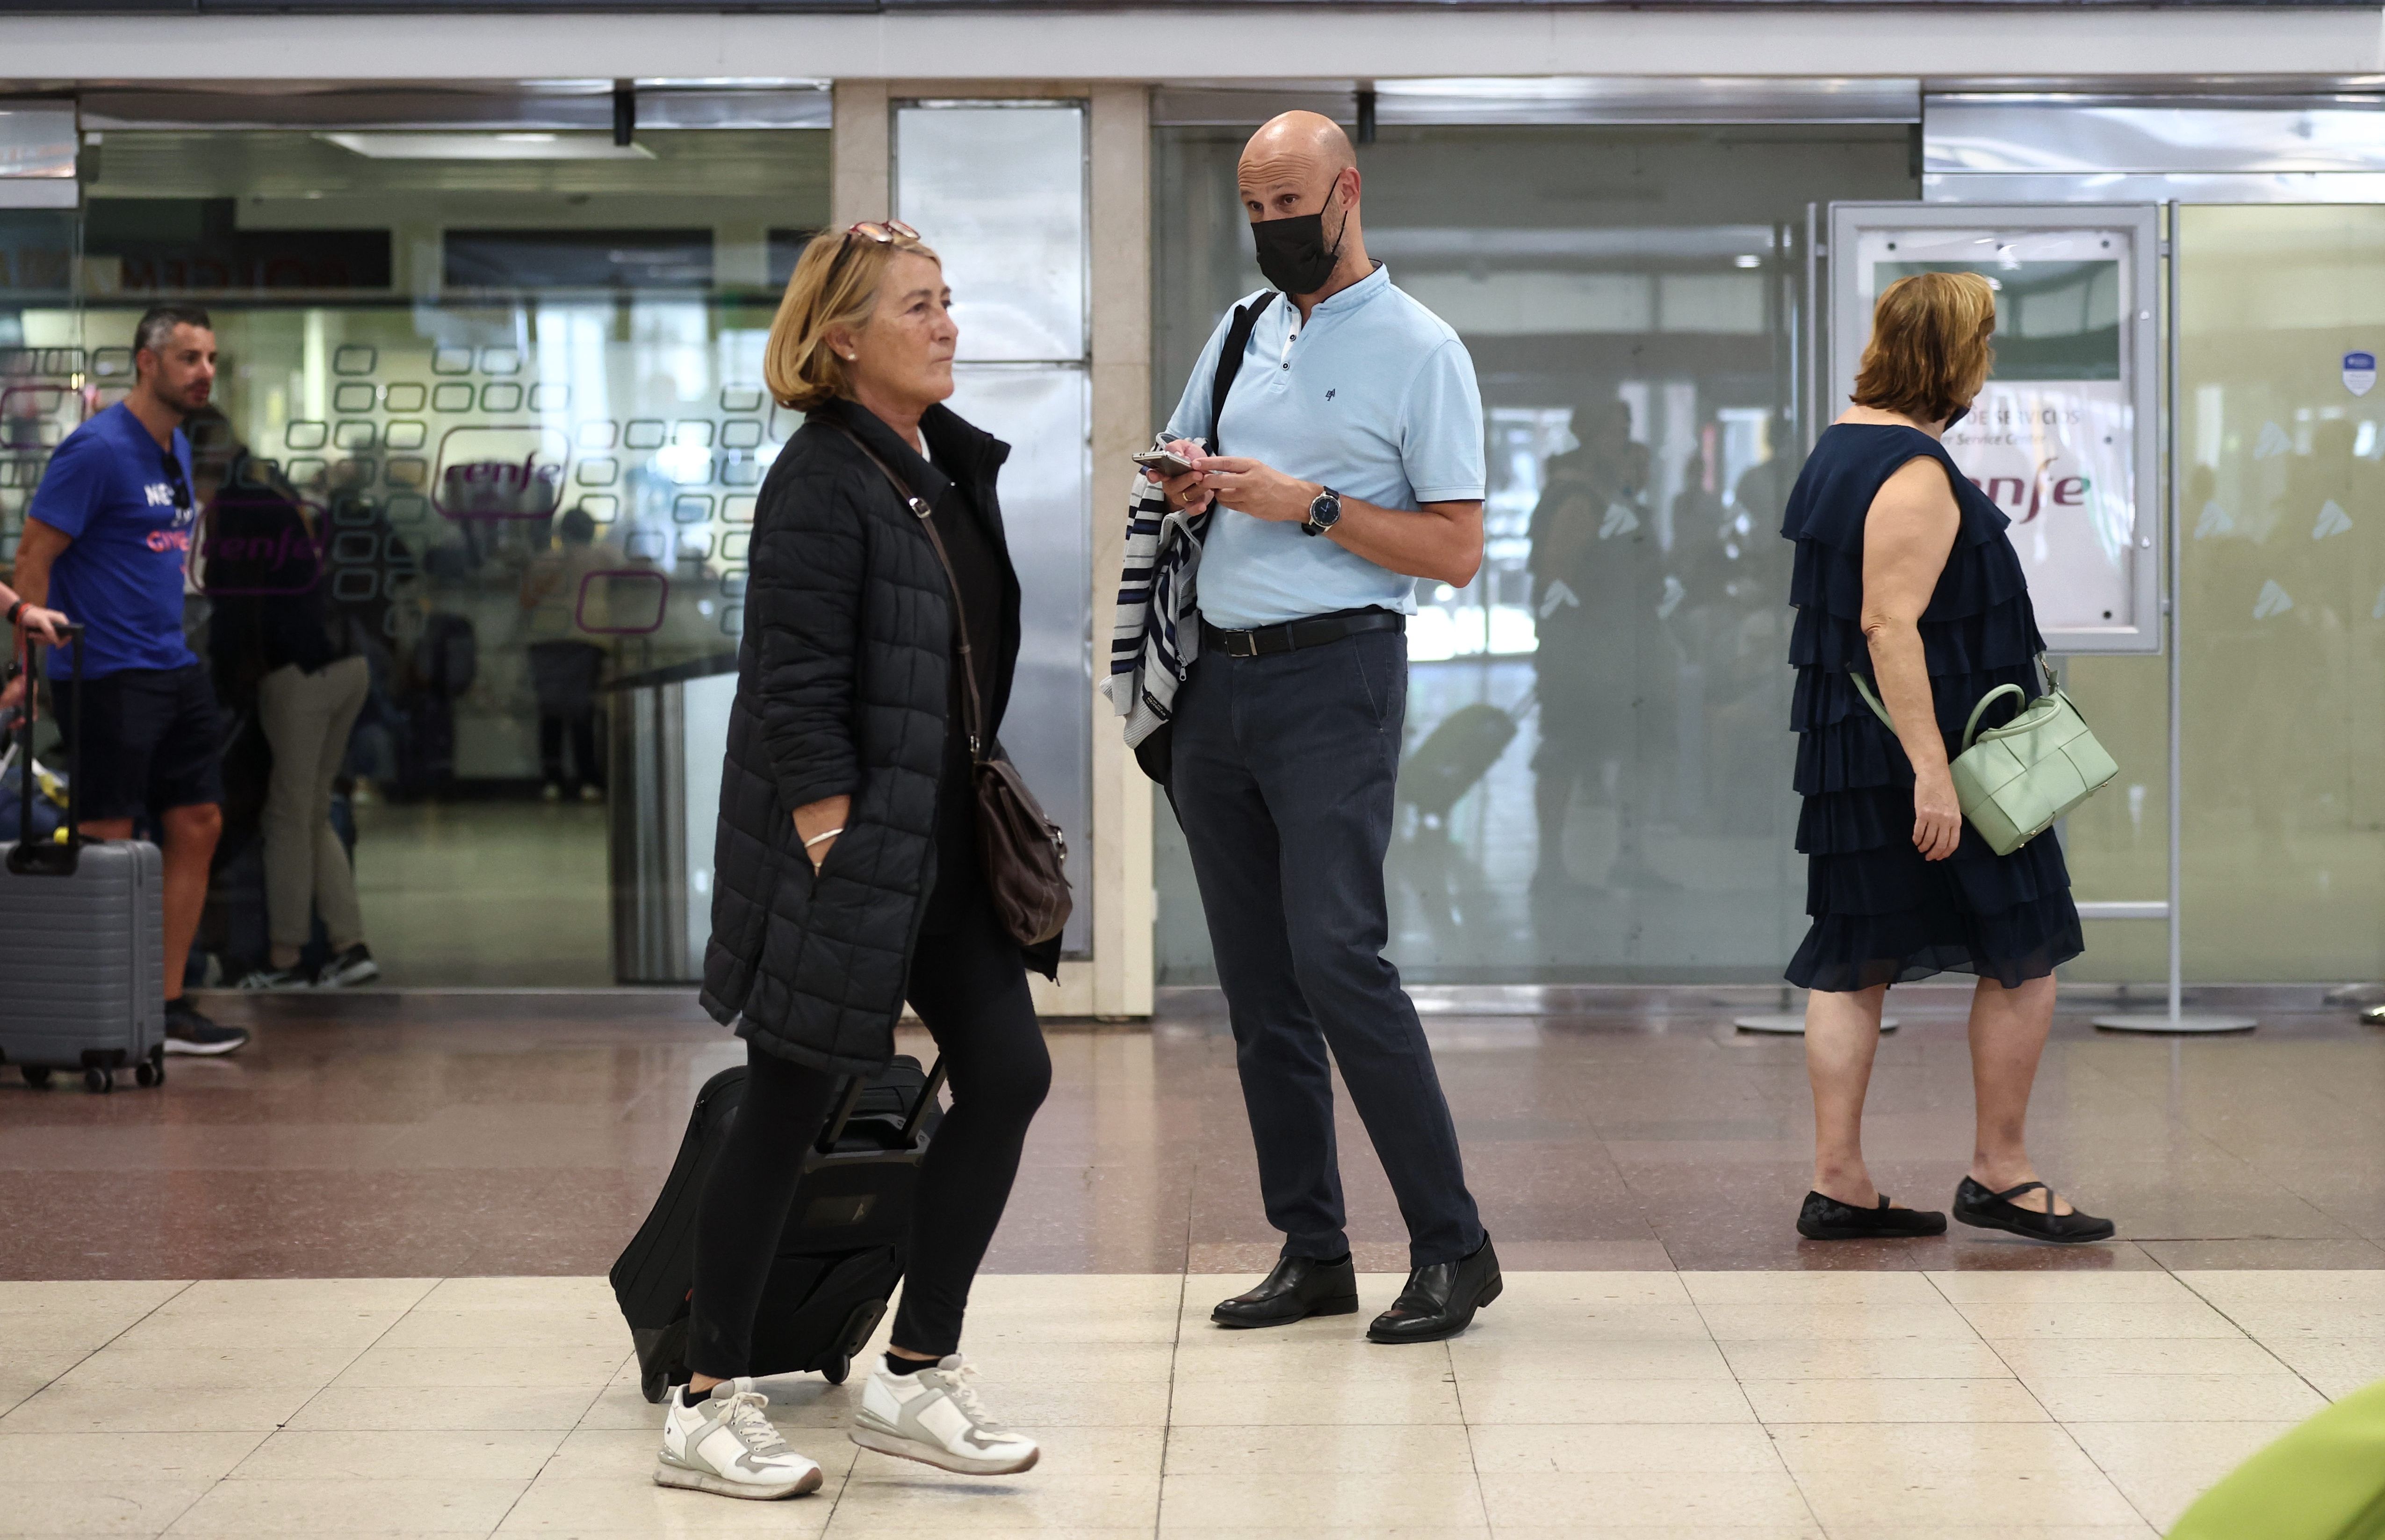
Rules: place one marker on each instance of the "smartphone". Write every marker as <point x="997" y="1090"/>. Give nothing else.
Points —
<point x="1164" y="462"/>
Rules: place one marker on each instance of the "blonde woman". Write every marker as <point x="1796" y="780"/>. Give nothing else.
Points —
<point x="847" y="873"/>
<point x="1906" y="579"/>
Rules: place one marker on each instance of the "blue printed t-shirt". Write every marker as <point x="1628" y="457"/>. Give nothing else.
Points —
<point x="109" y="490"/>
<point x="1374" y="395"/>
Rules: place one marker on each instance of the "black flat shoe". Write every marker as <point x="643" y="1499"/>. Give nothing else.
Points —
<point x="1826" y="1219"/>
<point x="1440" y="1300"/>
<point x="1299" y="1287"/>
<point x="1975" y="1205"/>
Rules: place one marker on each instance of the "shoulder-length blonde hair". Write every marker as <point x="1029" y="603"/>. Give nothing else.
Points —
<point x="835" y="283"/>
<point x="1928" y="352"/>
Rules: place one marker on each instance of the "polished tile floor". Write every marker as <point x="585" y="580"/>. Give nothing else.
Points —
<point x="1743" y="1406"/>
<point x="380" y="1232"/>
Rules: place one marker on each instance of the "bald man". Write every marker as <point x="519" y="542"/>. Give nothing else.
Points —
<point x="1346" y="463"/>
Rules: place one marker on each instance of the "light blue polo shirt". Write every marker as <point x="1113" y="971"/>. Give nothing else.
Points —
<point x="1375" y="398"/>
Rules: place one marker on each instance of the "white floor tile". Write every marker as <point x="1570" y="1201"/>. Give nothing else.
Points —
<point x="100" y="1459"/>
<point x="1810" y="1288"/>
<point x="2337" y="1366"/>
<point x="1932" y="1318"/>
<point x="1618" y="1449"/>
<point x="1892" y="1401"/>
<point x="2176" y="1397"/>
<point x="1432" y="1500"/>
<point x="131" y="1503"/>
<point x="2060" y="1288"/>
<point x="2035" y="1356"/>
<point x="438" y="1409"/>
<point x="425" y="1505"/>
<point x="1421" y="1449"/>
<point x="2015" y="1496"/>
<point x="476" y="1455"/>
<point x="2140" y="1317"/>
<point x="1614" y="1406"/>
<point x="1866" y="1358"/>
<point x="1906" y="1449"/>
<point x="630" y="1504"/>
<point x="1700" y="1499"/>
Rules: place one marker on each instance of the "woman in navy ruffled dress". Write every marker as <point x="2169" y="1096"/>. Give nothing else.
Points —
<point x="1904" y="573"/>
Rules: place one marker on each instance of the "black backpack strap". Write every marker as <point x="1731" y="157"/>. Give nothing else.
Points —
<point x="1230" y="360"/>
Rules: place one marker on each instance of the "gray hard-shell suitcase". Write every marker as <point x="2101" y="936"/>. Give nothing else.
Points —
<point x="82" y="944"/>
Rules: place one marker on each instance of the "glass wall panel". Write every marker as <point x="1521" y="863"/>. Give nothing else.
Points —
<point x="517" y="407"/>
<point x="41" y="360"/>
<point x="2282" y="500"/>
<point x="999" y="192"/>
<point x="1631" y="300"/>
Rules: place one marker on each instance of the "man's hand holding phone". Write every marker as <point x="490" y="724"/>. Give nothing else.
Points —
<point x="1186" y="489"/>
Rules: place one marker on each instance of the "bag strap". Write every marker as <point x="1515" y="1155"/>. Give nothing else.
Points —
<point x="1971" y="728"/>
<point x="920" y="510"/>
<point x="1230" y="360"/>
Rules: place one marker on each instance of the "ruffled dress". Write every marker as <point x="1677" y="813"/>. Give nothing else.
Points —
<point x="1882" y="914"/>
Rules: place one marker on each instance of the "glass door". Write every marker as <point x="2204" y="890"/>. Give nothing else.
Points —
<point x="511" y="383"/>
<point x="1597" y="771"/>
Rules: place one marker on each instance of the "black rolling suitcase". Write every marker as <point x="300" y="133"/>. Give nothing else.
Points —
<point x="82" y="940"/>
<point x="1454" y="756"/>
<point x="844" y="1248"/>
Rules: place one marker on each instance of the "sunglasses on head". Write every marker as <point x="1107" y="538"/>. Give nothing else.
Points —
<point x="883" y="232"/>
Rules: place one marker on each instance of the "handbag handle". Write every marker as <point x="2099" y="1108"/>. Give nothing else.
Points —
<point x="920" y="510"/>
<point x="1970" y="729"/>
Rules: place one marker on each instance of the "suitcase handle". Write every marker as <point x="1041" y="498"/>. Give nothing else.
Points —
<point x="852" y="1099"/>
<point x="30" y="857"/>
<point x="926" y="1099"/>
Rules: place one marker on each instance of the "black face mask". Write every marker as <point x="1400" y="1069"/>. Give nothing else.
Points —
<point x="1960" y="413"/>
<point x="1293" y="253"/>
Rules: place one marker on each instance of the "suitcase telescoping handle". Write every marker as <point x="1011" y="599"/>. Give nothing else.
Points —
<point x="852" y="1100"/>
<point x="32" y="857"/>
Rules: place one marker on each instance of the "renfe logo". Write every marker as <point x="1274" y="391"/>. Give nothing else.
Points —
<point x="500" y="472"/>
<point x="256" y="546"/>
<point x="2028" y="499"/>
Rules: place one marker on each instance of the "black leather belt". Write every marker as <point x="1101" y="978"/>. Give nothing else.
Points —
<point x="1315" y="631"/>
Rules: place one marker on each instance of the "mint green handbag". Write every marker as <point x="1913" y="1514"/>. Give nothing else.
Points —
<point x="2014" y="781"/>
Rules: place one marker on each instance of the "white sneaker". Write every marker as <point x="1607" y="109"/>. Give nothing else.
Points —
<point x="935" y="1417"/>
<point x="724" y="1444"/>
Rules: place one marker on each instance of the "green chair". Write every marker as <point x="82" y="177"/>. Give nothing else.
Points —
<point x="2324" y="1481"/>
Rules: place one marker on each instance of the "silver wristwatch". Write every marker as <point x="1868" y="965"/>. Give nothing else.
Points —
<point x="1324" y="512"/>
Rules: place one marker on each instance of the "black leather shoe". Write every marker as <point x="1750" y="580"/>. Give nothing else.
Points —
<point x="1824" y="1217"/>
<point x="1299" y="1287"/>
<point x="1440" y="1300"/>
<point x="1975" y="1205"/>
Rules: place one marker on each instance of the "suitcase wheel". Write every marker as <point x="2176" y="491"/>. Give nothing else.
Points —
<point x="836" y="1368"/>
<point x="36" y="1075"/>
<point x="99" y="1081"/>
<point x="147" y="1074"/>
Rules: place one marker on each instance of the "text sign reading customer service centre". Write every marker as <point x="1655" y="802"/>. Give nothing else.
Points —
<point x="2062" y="439"/>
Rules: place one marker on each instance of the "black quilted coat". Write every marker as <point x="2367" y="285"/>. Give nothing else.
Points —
<point x="841" y="691"/>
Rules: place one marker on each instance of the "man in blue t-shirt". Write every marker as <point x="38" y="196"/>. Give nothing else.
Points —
<point x="1347" y="463"/>
<point x="108" y="538"/>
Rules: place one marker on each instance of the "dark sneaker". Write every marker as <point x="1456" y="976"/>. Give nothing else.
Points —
<point x="354" y="965"/>
<point x="275" y="978"/>
<point x="188" y="1032"/>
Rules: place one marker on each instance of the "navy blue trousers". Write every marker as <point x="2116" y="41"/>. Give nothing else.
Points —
<point x="1283" y="778"/>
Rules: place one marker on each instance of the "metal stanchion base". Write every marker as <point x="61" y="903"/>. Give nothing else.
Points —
<point x="2193" y="1022"/>
<point x="1790" y="1023"/>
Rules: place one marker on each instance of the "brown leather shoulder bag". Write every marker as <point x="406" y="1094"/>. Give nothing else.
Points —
<point x="1021" y="851"/>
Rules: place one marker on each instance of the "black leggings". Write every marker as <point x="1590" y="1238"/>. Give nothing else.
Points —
<point x="969" y="988"/>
